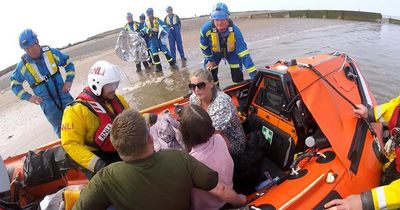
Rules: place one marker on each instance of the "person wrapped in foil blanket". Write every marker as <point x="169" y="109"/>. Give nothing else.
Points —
<point x="131" y="46"/>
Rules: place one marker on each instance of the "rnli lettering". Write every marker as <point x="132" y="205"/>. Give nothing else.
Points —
<point x="67" y="126"/>
<point x="106" y="131"/>
<point x="97" y="107"/>
<point x="98" y="71"/>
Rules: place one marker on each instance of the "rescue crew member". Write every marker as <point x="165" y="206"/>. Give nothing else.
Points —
<point x="133" y="26"/>
<point x="86" y="124"/>
<point x="174" y="22"/>
<point x="221" y="39"/>
<point x="40" y="68"/>
<point x="383" y="197"/>
<point x="155" y="29"/>
<point x="142" y="24"/>
<point x="388" y="112"/>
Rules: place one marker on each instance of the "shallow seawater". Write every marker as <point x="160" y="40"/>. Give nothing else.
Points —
<point x="373" y="45"/>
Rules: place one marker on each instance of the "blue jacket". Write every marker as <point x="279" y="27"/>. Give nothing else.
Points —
<point x="240" y="47"/>
<point x="21" y="74"/>
<point x="141" y="27"/>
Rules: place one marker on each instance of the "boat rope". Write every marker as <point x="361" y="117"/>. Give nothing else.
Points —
<point x="294" y="99"/>
<point x="299" y="195"/>
<point x="370" y="128"/>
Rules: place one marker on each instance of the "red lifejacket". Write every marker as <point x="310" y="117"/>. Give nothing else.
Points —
<point x="395" y="122"/>
<point x="97" y="106"/>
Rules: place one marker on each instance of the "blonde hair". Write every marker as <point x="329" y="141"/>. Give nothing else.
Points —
<point x="129" y="133"/>
<point x="206" y="75"/>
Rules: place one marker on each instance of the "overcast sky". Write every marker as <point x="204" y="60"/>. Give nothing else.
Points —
<point x="58" y="23"/>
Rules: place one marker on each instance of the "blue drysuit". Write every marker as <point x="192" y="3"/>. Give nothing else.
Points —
<point x="141" y="26"/>
<point x="146" y="38"/>
<point x="49" y="89"/>
<point x="229" y="45"/>
<point x="174" y="36"/>
<point x="155" y="43"/>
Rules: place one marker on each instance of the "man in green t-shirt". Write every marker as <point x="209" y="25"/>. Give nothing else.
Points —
<point x="149" y="180"/>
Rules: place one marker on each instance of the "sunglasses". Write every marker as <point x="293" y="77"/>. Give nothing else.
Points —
<point x="200" y="85"/>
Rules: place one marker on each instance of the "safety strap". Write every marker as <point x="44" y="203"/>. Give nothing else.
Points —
<point x="50" y="63"/>
<point x="100" y="101"/>
<point x="45" y="80"/>
<point x="85" y="103"/>
<point x="40" y="79"/>
<point x="59" y="106"/>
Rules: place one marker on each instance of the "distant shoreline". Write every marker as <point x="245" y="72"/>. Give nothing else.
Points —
<point x="324" y="14"/>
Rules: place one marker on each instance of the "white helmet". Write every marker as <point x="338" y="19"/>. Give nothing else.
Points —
<point x="102" y="73"/>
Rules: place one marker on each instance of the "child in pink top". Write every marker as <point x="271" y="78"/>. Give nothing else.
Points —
<point x="209" y="148"/>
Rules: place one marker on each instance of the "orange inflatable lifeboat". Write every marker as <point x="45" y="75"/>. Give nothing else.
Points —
<point x="313" y="148"/>
<point x="307" y="106"/>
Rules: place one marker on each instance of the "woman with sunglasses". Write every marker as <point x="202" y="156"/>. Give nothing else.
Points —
<point x="220" y="108"/>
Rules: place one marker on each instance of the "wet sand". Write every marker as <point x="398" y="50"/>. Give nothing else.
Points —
<point x="24" y="126"/>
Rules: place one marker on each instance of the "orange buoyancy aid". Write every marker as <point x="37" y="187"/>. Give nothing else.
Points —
<point x="230" y="41"/>
<point x="97" y="106"/>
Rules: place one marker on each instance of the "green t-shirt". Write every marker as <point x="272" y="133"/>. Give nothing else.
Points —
<point x="162" y="181"/>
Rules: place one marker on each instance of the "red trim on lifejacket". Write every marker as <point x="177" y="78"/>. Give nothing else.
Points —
<point x="395" y="122"/>
<point x="102" y="135"/>
<point x="397" y="151"/>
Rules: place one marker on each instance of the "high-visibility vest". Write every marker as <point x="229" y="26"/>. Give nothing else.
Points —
<point x="155" y="23"/>
<point x="174" y="20"/>
<point x="230" y="41"/>
<point x="102" y="135"/>
<point x="50" y="64"/>
<point x="128" y="27"/>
